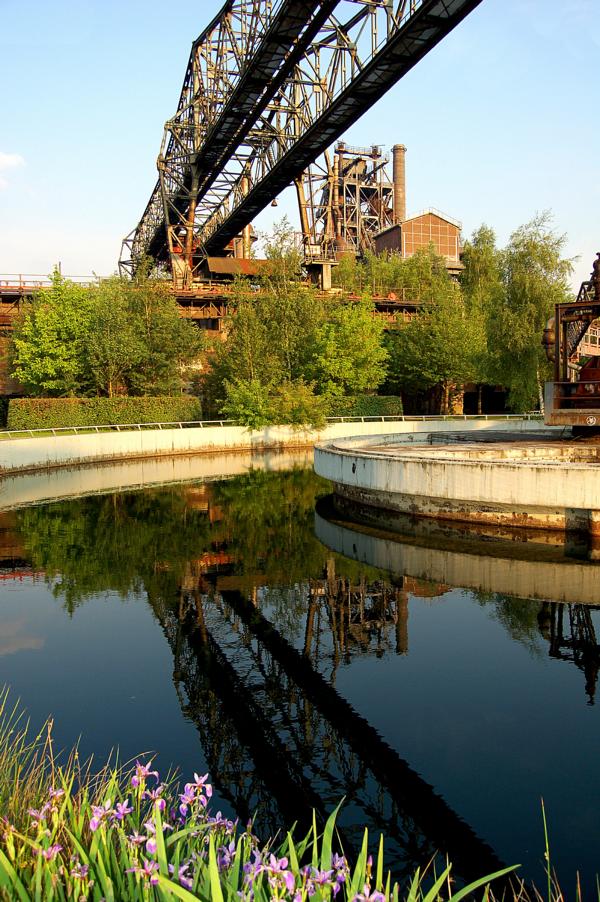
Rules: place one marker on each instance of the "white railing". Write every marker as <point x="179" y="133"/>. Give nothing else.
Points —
<point x="211" y="424"/>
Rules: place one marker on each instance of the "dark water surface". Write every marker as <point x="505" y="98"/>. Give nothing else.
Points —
<point x="247" y="628"/>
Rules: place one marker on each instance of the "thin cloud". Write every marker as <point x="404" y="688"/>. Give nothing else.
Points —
<point x="9" y="161"/>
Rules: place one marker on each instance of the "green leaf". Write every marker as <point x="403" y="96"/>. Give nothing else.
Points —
<point x="358" y="878"/>
<point x="379" y="874"/>
<point x="328" y="839"/>
<point x="433" y="892"/>
<point x="161" y="853"/>
<point x="462" y="893"/>
<point x="216" y="892"/>
<point x="13" y="879"/>
<point x="179" y="891"/>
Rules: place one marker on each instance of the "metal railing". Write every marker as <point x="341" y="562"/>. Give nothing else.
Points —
<point x="211" y="424"/>
<point x="28" y="281"/>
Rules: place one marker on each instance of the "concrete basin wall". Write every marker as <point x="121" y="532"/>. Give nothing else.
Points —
<point x="71" y="450"/>
<point x="438" y="482"/>
<point x="574" y="583"/>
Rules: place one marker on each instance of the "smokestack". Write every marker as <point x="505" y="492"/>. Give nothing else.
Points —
<point x="399" y="152"/>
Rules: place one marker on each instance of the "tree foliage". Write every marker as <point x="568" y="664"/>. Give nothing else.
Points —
<point x="439" y="346"/>
<point x="50" y="341"/>
<point x="116" y="337"/>
<point x="289" y="348"/>
<point x="534" y="278"/>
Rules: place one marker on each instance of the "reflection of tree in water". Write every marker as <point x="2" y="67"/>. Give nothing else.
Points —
<point x="569" y="629"/>
<point x="277" y="737"/>
<point x="126" y="543"/>
<point x="518" y="616"/>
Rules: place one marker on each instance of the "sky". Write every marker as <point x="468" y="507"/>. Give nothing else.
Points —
<point x="500" y="122"/>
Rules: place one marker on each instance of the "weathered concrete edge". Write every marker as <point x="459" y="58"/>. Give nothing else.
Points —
<point x="20" y="455"/>
<point x="538" y="494"/>
<point x="567" y="582"/>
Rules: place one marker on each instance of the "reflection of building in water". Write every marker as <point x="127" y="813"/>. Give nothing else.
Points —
<point x="570" y="631"/>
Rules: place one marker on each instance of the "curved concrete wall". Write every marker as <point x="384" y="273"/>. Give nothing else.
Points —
<point x="43" y="486"/>
<point x="69" y="450"/>
<point x="543" y="580"/>
<point x="548" y="493"/>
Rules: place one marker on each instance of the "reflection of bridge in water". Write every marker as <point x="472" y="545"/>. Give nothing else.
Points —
<point x="280" y="740"/>
<point x="487" y="563"/>
<point x="571" y="634"/>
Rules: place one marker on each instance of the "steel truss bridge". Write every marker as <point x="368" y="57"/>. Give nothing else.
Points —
<point x="269" y="86"/>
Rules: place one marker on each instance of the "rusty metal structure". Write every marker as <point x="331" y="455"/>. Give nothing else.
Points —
<point x="269" y="86"/>
<point x="571" y="339"/>
<point x="344" y="202"/>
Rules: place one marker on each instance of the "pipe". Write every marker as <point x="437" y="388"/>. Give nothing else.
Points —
<point x="399" y="153"/>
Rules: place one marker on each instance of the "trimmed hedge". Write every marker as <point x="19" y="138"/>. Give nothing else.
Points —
<point x="367" y="406"/>
<point x="49" y="413"/>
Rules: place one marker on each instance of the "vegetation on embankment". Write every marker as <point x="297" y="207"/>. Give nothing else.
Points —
<point x="117" y="337"/>
<point x="54" y="413"/>
<point x="292" y="353"/>
<point x="69" y="833"/>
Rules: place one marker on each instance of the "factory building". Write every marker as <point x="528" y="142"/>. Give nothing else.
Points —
<point x="408" y="234"/>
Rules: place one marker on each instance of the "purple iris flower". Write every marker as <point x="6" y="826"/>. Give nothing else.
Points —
<point x="151" y="846"/>
<point x="148" y="871"/>
<point x="225" y="856"/>
<point x="99" y="812"/>
<point x="202" y="786"/>
<point x="368" y="896"/>
<point x="80" y="871"/>
<point x="184" y="879"/>
<point x="142" y="772"/>
<point x="40" y="815"/>
<point x="122" y="809"/>
<point x="155" y="795"/>
<point x="51" y="852"/>
<point x="137" y="839"/>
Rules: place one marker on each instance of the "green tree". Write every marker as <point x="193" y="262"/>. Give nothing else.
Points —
<point x="349" y="356"/>
<point x="439" y="347"/>
<point x="49" y="343"/>
<point x="114" y="345"/>
<point x="288" y="347"/>
<point x="168" y="344"/>
<point x="535" y="278"/>
<point x="117" y="337"/>
<point x="483" y="290"/>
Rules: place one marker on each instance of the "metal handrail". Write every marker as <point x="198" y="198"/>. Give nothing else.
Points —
<point x="209" y="424"/>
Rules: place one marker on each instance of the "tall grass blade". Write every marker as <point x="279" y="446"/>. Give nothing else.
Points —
<point x="358" y="878"/>
<point x="216" y="892"/>
<point x="466" y="890"/>
<point x="328" y="839"/>
<point x="12" y="876"/>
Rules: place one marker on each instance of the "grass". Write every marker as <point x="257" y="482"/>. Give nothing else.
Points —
<point x="117" y="834"/>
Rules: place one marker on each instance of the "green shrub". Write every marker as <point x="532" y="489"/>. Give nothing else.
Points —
<point x="366" y="406"/>
<point x="67" y="833"/>
<point x="49" y="413"/>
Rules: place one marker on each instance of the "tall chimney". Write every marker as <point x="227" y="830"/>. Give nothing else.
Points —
<point x="399" y="152"/>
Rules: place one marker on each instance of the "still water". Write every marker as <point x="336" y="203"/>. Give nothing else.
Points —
<point x="442" y="683"/>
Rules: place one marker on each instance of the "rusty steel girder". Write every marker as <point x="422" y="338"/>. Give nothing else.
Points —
<point x="269" y="85"/>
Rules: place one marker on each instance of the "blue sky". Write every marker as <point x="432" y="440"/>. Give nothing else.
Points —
<point x="500" y="121"/>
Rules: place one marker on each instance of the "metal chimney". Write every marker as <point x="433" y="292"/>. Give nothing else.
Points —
<point x="399" y="152"/>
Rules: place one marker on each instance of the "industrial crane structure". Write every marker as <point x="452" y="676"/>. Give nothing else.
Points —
<point x="269" y="86"/>
<point x="572" y="343"/>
